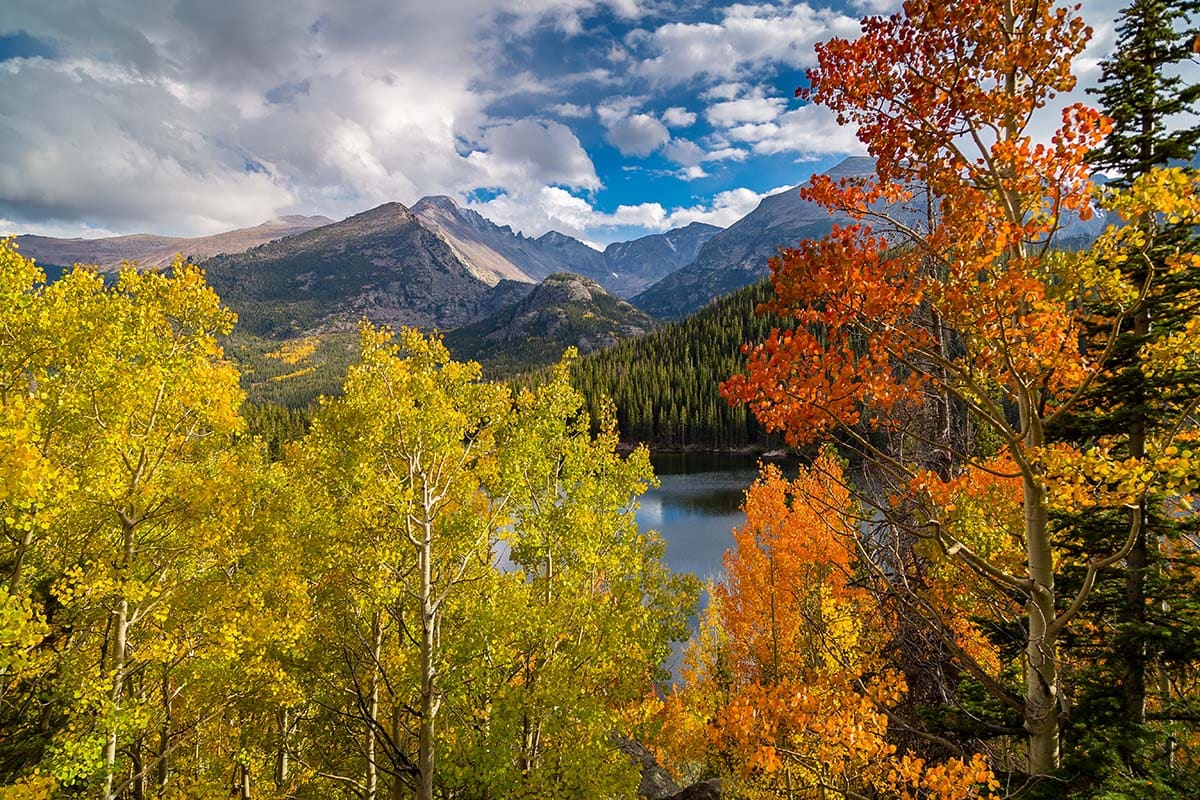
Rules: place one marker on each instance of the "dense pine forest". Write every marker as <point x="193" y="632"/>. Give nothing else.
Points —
<point x="666" y="385"/>
<point x="981" y="581"/>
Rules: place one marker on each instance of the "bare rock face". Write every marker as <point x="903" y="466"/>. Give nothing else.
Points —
<point x="656" y="783"/>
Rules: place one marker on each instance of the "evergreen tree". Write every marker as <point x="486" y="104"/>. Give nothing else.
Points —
<point x="1146" y="619"/>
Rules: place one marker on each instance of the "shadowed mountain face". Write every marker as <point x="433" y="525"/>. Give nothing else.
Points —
<point x="158" y="251"/>
<point x="737" y="256"/>
<point x="382" y="265"/>
<point x="494" y="252"/>
<point x="641" y="262"/>
<point x="563" y="311"/>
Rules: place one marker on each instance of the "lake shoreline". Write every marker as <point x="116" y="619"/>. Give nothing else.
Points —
<point x="770" y="454"/>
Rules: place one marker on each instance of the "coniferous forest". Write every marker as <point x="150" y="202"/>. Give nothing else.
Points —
<point x="982" y="580"/>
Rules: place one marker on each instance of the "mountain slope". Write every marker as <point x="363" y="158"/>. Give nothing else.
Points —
<point x="381" y="264"/>
<point x="737" y="256"/>
<point x="563" y="311"/>
<point x="494" y="252"/>
<point x="641" y="262"/>
<point x="158" y="251"/>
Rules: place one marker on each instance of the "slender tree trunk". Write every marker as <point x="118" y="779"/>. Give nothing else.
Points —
<point x="139" y="769"/>
<point x="14" y="580"/>
<point x="120" y="631"/>
<point x="164" y="737"/>
<point x="1134" y="648"/>
<point x="429" y="688"/>
<point x="372" y="778"/>
<point x="1041" y="649"/>
<point x="281" y="753"/>
<point x="399" y="787"/>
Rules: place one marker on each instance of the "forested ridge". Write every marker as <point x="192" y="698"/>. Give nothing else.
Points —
<point x="981" y="582"/>
<point x="666" y="384"/>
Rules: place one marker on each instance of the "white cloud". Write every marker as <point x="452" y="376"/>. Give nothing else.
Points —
<point x="552" y="208"/>
<point x="748" y="37"/>
<point x="678" y="117"/>
<point x="723" y="91"/>
<point x="527" y="153"/>
<point x="639" y="135"/>
<point x="755" y="109"/>
<point x="684" y="152"/>
<point x="571" y="110"/>
<point x="808" y="130"/>
<point x="615" y="109"/>
<point x="689" y="155"/>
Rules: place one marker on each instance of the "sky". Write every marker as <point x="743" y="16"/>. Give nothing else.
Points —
<point x="605" y="120"/>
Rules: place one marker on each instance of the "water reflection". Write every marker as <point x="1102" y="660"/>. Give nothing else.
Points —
<point x="695" y="508"/>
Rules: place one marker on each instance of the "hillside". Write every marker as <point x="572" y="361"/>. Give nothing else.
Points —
<point x="381" y="264"/>
<point x="563" y="311"/>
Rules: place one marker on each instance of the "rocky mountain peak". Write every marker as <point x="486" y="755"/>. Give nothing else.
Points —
<point x="439" y="202"/>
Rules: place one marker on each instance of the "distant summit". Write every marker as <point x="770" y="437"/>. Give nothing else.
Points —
<point x="737" y="256"/>
<point x="382" y="264"/>
<point x="151" y="251"/>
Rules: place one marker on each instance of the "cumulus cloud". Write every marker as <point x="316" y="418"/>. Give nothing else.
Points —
<point x="553" y="208"/>
<point x="638" y="135"/>
<point x="746" y="38"/>
<point x="809" y="130"/>
<point x="678" y="117"/>
<point x="754" y="109"/>
<point x="571" y="110"/>
<point x="526" y="153"/>
<point x="690" y="157"/>
<point x="192" y="117"/>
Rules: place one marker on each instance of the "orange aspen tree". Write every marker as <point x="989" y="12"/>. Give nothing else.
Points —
<point x="945" y="315"/>
<point x="790" y="659"/>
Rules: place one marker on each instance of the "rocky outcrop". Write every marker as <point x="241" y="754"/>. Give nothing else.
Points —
<point x="657" y="783"/>
<point x="563" y="311"/>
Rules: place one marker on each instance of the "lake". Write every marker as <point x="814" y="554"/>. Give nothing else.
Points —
<point x="695" y="508"/>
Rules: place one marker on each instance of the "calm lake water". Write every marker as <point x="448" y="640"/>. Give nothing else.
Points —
<point x="695" y="508"/>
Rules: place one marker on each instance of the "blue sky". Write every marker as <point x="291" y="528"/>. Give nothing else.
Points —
<point x="604" y="120"/>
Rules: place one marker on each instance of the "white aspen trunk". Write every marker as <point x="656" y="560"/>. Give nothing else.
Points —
<point x="1041" y="647"/>
<point x="120" y="632"/>
<point x="429" y="698"/>
<point x="372" y="777"/>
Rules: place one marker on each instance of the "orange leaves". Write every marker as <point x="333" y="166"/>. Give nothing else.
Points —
<point x="786" y="602"/>
<point x="852" y="302"/>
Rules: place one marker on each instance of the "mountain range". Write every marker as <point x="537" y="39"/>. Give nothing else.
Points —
<point x="151" y="251"/>
<point x="440" y="265"/>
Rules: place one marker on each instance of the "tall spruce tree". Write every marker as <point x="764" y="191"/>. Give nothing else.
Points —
<point x="1147" y="620"/>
